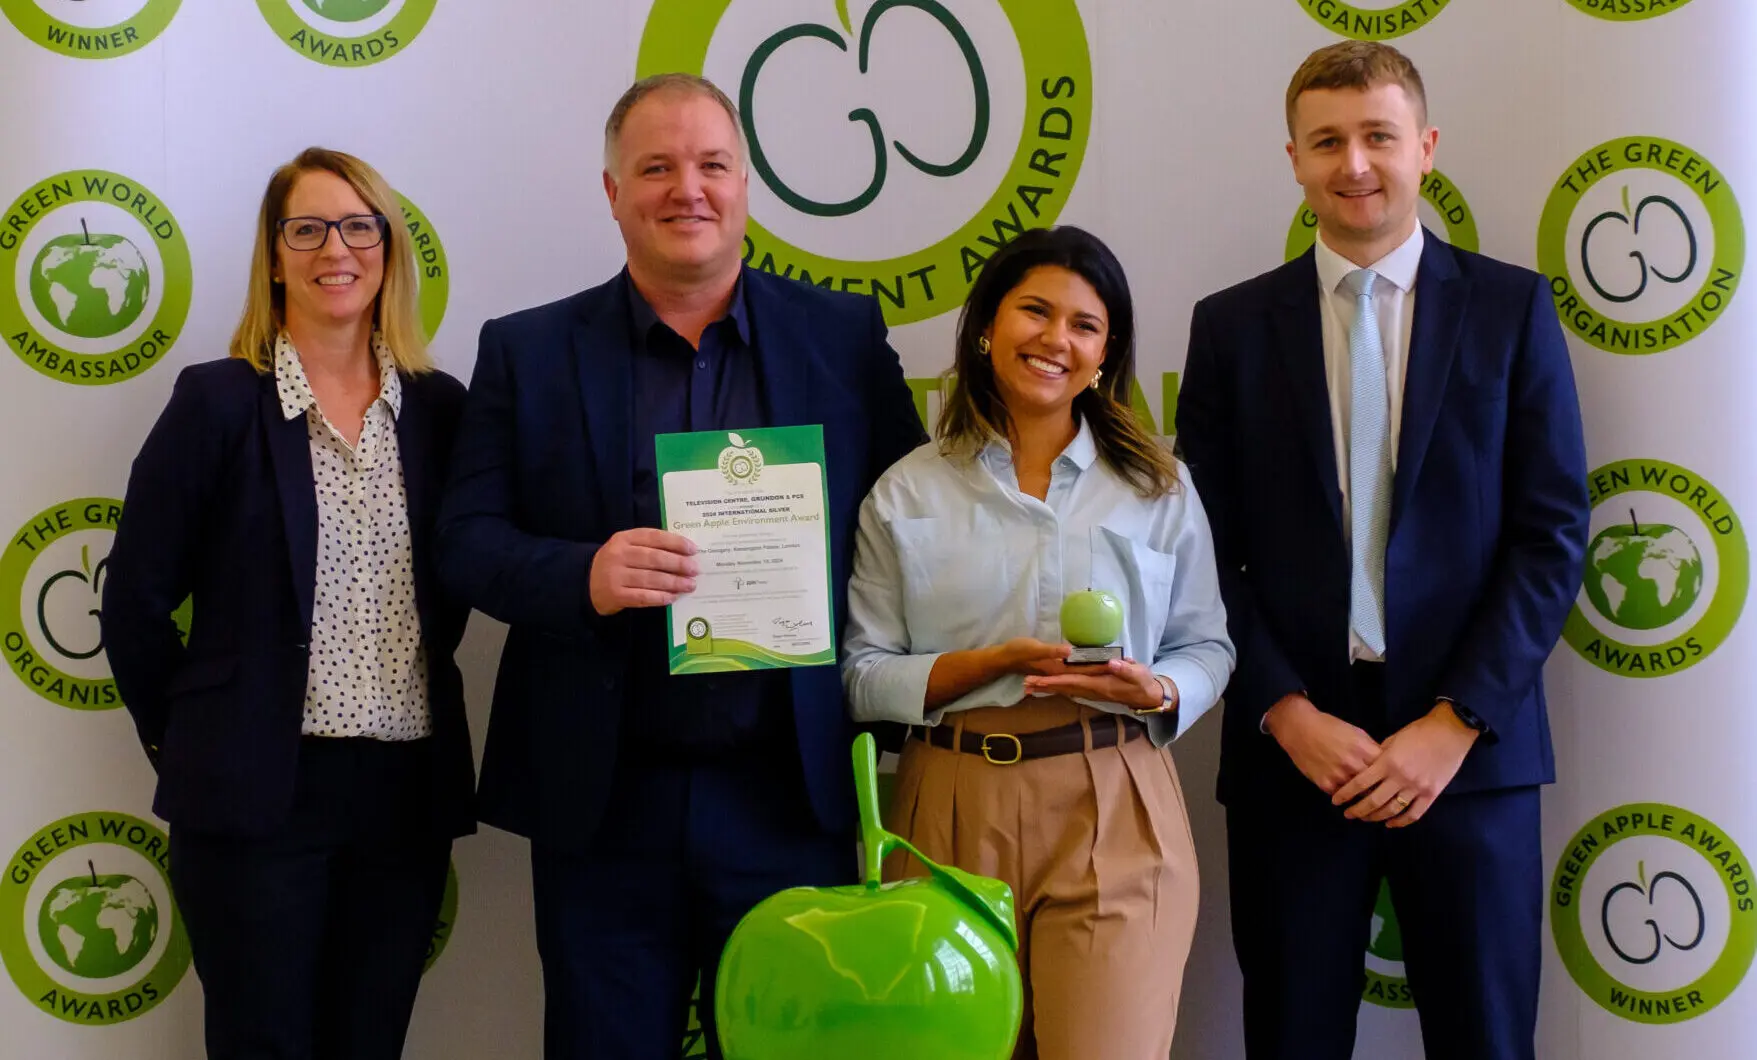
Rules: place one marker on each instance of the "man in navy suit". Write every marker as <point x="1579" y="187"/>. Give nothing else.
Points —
<point x="1386" y="435"/>
<point x="660" y="808"/>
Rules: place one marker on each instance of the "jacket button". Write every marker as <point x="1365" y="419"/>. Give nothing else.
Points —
<point x="609" y="682"/>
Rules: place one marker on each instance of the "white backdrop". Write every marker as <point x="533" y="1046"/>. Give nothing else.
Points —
<point x="487" y="118"/>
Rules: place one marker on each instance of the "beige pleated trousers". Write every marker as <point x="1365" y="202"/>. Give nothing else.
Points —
<point x="1096" y="846"/>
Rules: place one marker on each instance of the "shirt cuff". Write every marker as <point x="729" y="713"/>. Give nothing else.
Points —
<point x="893" y="688"/>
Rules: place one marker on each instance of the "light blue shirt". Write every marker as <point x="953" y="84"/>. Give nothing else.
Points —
<point x="952" y="555"/>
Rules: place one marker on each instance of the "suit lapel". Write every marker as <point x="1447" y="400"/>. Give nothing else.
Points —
<point x="1299" y="328"/>
<point x="1440" y="296"/>
<point x="603" y="362"/>
<point x="289" y="449"/>
<point x="784" y="352"/>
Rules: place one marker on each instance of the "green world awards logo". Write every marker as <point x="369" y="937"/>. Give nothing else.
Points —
<point x="1666" y="570"/>
<point x="347" y="32"/>
<point x="99" y="277"/>
<point x="1442" y="206"/>
<point x="1387" y="985"/>
<point x="1627" y="10"/>
<point x="88" y="929"/>
<point x="1374" y="23"/>
<point x="432" y="273"/>
<point x="1653" y="913"/>
<point x="896" y="145"/>
<point x="1643" y="243"/>
<point x="91" y="31"/>
<point x="51" y="592"/>
<point x="448" y="918"/>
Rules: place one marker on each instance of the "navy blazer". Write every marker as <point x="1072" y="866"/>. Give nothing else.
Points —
<point x="544" y="475"/>
<point x="1488" y="511"/>
<point x="222" y="507"/>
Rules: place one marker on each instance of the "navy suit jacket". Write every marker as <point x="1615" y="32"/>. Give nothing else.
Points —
<point x="1488" y="511"/>
<point x="222" y="507"/>
<point x="544" y="475"/>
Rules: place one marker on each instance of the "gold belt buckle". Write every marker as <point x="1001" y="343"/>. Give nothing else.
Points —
<point x="1018" y="749"/>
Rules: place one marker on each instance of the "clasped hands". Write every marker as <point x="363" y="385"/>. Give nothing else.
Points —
<point x="1394" y="782"/>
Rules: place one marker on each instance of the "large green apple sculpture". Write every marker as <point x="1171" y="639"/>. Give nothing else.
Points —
<point x="918" y="968"/>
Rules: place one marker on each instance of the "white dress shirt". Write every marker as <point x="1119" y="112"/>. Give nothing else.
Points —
<point x="368" y="670"/>
<point x="1394" y="299"/>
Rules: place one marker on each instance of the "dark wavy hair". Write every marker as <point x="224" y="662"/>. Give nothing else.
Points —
<point x="974" y="413"/>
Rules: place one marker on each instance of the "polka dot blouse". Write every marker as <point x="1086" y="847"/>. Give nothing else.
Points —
<point x="368" y="673"/>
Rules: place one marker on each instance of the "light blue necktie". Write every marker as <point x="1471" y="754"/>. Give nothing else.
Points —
<point x="1369" y="463"/>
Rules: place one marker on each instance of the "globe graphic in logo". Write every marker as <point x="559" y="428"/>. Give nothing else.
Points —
<point x="347" y="10"/>
<point x="91" y="286"/>
<point x="98" y="926"/>
<point x="1386" y="941"/>
<point x="1643" y="576"/>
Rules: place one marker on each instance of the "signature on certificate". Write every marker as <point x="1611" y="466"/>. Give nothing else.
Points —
<point x="791" y="624"/>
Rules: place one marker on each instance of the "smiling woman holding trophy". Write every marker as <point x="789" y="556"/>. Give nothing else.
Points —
<point x="1035" y="593"/>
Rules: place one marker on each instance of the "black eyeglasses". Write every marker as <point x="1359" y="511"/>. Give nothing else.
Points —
<point x="362" y="231"/>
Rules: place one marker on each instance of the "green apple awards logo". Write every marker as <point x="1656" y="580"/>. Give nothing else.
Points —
<point x="1643" y="243"/>
<point x="448" y="918"/>
<point x="1627" y="10"/>
<point x="432" y="272"/>
<point x="95" y="31"/>
<point x="1374" y="23"/>
<point x="1652" y="911"/>
<point x="1441" y="202"/>
<point x="88" y="928"/>
<point x="99" y="277"/>
<point x="1666" y="570"/>
<point x="347" y="32"/>
<point x="893" y="152"/>
<point x="1387" y="985"/>
<point x="51" y="590"/>
<point x="741" y="462"/>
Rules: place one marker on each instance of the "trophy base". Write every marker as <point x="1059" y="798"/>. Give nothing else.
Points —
<point x="1088" y="656"/>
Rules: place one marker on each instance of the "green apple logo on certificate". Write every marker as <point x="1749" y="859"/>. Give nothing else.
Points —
<point x="753" y="503"/>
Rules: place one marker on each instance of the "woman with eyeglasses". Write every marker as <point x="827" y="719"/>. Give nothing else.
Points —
<point x="309" y="735"/>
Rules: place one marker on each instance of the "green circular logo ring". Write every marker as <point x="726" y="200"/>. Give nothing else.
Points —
<point x="1373" y="23"/>
<point x="1732" y="560"/>
<point x="45" y="992"/>
<point x="1718" y="286"/>
<point x="1436" y="188"/>
<point x="448" y="918"/>
<point x="433" y="272"/>
<point x="1052" y="146"/>
<point x="1626" y="10"/>
<point x="127" y="360"/>
<point x="363" y="50"/>
<point x="26" y="655"/>
<point x="1567" y="911"/>
<point x="83" y="42"/>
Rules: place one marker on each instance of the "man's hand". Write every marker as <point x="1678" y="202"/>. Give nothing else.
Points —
<point x="1413" y="768"/>
<point x="1329" y="751"/>
<point x="642" y="568"/>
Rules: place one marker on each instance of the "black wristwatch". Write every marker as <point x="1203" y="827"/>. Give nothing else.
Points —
<point x="1466" y="715"/>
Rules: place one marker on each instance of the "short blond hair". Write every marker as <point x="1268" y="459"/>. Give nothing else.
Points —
<point x="396" y="313"/>
<point x="683" y="84"/>
<point x="1357" y="64"/>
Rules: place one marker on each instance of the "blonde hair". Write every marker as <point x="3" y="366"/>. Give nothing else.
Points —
<point x="396" y="312"/>
<point x="1357" y="64"/>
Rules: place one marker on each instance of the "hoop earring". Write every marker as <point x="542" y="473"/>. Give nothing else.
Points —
<point x="1097" y="374"/>
<point x="982" y="346"/>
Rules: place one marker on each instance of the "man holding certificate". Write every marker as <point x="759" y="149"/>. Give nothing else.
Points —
<point x="668" y="726"/>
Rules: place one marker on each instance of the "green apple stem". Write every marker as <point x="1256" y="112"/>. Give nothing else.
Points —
<point x="87" y="231"/>
<point x="94" y="869"/>
<point x="1634" y="522"/>
<point x="872" y="831"/>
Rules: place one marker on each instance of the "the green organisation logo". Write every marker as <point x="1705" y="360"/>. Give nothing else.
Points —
<point x="1653" y="912"/>
<point x="91" y="31"/>
<point x="1667" y="569"/>
<point x="1627" y="10"/>
<point x="897" y="144"/>
<point x="347" y="32"/>
<point x="1643" y="243"/>
<point x="94" y="277"/>
<point x="448" y="918"/>
<point x="1387" y="986"/>
<point x="1442" y="205"/>
<point x="432" y="272"/>
<point x="89" y="932"/>
<point x="51" y="591"/>
<point x="1374" y="22"/>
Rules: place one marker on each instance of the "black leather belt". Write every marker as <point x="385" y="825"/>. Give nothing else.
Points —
<point x="1005" y="748"/>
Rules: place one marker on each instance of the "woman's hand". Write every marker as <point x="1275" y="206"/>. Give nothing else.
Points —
<point x="1122" y="681"/>
<point x="1028" y="655"/>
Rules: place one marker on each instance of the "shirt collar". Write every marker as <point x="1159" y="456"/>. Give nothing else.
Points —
<point x="1396" y="268"/>
<point x="295" y="389"/>
<point x="1081" y="452"/>
<point x="643" y="316"/>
